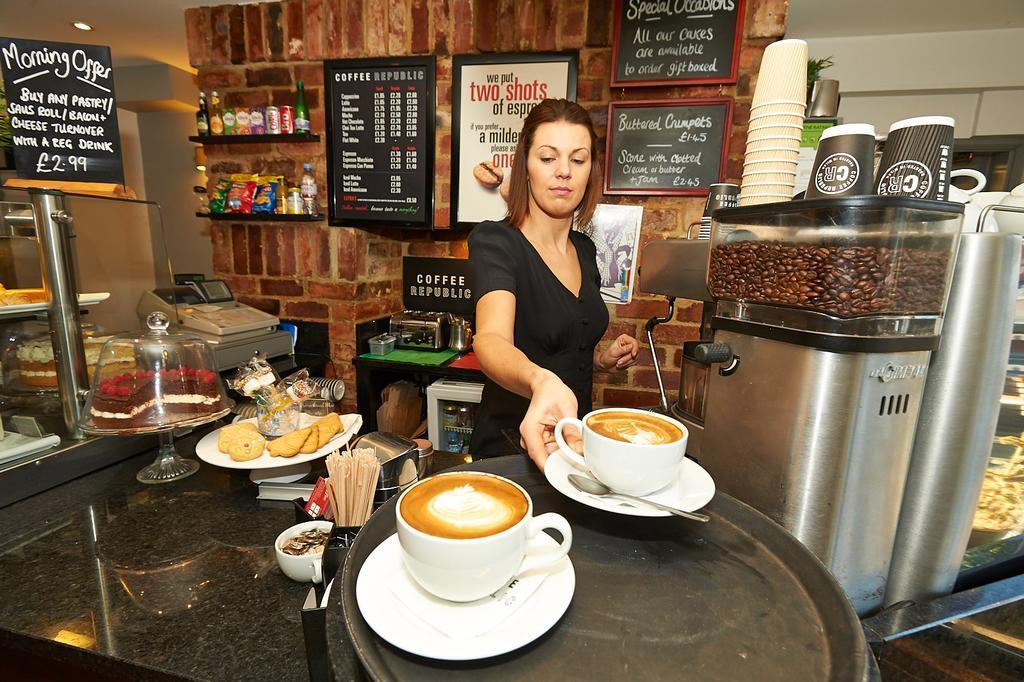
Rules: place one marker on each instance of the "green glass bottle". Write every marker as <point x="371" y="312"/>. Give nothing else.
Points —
<point x="301" y="110"/>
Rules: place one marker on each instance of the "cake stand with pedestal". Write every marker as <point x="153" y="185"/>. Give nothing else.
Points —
<point x="155" y="382"/>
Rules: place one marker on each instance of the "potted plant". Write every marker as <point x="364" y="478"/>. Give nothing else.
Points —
<point x="814" y="69"/>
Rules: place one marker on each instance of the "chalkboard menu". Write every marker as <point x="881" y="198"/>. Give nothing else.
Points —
<point x="380" y="141"/>
<point x="60" y="100"/>
<point x="666" y="146"/>
<point x="665" y="42"/>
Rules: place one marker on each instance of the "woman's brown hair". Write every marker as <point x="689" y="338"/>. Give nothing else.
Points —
<point x="552" y="111"/>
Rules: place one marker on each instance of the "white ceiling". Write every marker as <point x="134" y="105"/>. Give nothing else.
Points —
<point x="834" y="18"/>
<point x="153" y="31"/>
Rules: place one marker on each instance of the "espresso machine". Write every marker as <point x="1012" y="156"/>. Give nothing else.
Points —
<point x="803" y="394"/>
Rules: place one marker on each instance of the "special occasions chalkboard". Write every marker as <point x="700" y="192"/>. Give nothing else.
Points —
<point x="60" y="101"/>
<point x="666" y="146"/>
<point x="665" y="42"/>
<point x="380" y="141"/>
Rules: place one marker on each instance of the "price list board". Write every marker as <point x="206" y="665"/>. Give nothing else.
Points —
<point x="62" y="112"/>
<point x="667" y="147"/>
<point x="380" y="141"/>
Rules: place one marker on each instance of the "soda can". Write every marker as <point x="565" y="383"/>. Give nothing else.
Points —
<point x="287" y="120"/>
<point x="273" y="120"/>
<point x="257" y="122"/>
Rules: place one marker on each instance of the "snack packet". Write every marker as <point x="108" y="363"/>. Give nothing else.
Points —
<point x="219" y="195"/>
<point x="266" y="195"/>
<point x="242" y="192"/>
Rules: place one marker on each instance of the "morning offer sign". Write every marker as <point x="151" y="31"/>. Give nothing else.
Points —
<point x="60" y="101"/>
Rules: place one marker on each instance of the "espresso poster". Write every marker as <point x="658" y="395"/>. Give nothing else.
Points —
<point x="491" y="96"/>
<point x="665" y="42"/>
<point x="62" y="111"/>
<point x="666" y="147"/>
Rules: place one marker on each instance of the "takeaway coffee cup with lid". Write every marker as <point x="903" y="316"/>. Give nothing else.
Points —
<point x="917" y="158"/>
<point x="844" y="161"/>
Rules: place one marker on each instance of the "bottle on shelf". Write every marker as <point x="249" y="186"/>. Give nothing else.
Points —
<point x="301" y="110"/>
<point x="216" y="122"/>
<point x="308" y="186"/>
<point x="294" y="201"/>
<point x="203" y="116"/>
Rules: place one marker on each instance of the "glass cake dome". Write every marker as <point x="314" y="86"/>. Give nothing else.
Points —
<point x="152" y="383"/>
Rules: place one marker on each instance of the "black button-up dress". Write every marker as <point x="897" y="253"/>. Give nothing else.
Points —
<point x="554" y="328"/>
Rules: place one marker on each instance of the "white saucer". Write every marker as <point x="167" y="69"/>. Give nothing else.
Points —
<point x="207" y="450"/>
<point x="398" y="625"/>
<point x="692" y="490"/>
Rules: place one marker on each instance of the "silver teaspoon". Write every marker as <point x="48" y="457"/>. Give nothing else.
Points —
<point x="589" y="485"/>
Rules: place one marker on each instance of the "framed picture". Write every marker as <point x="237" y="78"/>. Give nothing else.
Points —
<point x="676" y="43"/>
<point x="491" y="95"/>
<point x="616" y="235"/>
<point x="667" y="147"/>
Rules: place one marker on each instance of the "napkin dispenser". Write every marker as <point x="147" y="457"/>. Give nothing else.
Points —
<point x="399" y="459"/>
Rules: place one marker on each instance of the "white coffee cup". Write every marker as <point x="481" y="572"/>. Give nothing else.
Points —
<point x="463" y="570"/>
<point x="307" y="567"/>
<point x="625" y="467"/>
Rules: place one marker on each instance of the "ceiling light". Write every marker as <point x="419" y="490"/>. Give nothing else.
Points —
<point x="81" y="25"/>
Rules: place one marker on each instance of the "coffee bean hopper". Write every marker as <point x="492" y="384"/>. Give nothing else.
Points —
<point x="802" y="396"/>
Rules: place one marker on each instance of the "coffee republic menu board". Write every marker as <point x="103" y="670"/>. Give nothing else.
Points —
<point x="380" y="141"/>
<point x="666" y="146"/>
<point x="63" y="116"/>
<point x="663" y="42"/>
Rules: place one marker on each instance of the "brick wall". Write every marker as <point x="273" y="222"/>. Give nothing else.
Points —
<point x="252" y="54"/>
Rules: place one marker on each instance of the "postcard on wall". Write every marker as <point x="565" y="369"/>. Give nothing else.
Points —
<point x="491" y="95"/>
<point x="616" y="234"/>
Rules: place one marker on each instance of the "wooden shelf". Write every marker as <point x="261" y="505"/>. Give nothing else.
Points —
<point x="253" y="139"/>
<point x="263" y="217"/>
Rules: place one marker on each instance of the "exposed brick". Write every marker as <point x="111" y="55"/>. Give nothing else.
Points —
<point x="286" y="97"/>
<point x="255" y="50"/>
<point x="246" y="98"/>
<point x="444" y="95"/>
<point x="660" y="221"/>
<point x="306" y="310"/>
<point x="197" y="33"/>
<point x="341" y="291"/>
<point x="441" y="24"/>
<point x="273" y="20"/>
<point x="766" y="18"/>
<point x="225" y="168"/>
<point x="592" y="90"/>
<point x="351" y="253"/>
<point x="268" y="75"/>
<point x="526" y="17"/>
<point x="353" y="44"/>
<point x="247" y="149"/>
<point x="506" y="25"/>
<point x="485" y="18"/>
<point x="645" y="359"/>
<point x="236" y="34"/>
<point x="310" y="74"/>
<point x="430" y="249"/>
<point x="642" y="309"/>
<point x="442" y="217"/>
<point x="267" y="305"/>
<point x="572" y="26"/>
<point x="618" y="397"/>
<point x="462" y="26"/>
<point x="674" y="334"/>
<point x="375" y="18"/>
<point x="313" y="253"/>
<point x="646" y="378"/>
<point x="213" y="78"/>
<point x="599" y="22"/>
<point x="459" y="249"/>
<point x="319" y="23"/>
<point x="220" y="46"/>
<point x="689" y="312"/>
<point x="597" y="63"/>
<point x="397" y="27"/>
<point x="281" y="287"/>
<point x="239" y="249"/>
<point x="295" y="29"/>
<point x="547" y="26"/>
<point x="616" y="329"/>
<point x="254" y="244"/>
<point x="419" y="15"/>
<point x="220" y="235"/>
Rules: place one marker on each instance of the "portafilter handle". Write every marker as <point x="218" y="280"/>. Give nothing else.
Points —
<point x="716" y="354"/>
<point x="649" y="328"/>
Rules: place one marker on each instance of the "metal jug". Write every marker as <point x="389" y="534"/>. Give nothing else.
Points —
<point x="461" y="334"/>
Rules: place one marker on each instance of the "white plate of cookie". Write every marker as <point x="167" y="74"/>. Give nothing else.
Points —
<point x="241" y="446"/>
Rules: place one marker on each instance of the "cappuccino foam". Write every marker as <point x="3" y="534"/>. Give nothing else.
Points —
<point x="633" y="427"/>
<point x="463" y="506"/>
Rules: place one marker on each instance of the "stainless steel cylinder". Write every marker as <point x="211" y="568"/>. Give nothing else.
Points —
<point x="54" y="243"/>
<point x="958" y="419"/>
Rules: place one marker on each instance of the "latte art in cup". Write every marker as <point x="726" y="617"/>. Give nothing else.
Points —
<point x="634" y="427"/>
<point x="463" y="507"/>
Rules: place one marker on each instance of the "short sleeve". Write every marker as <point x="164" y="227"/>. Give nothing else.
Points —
<point x="492" y="259"/>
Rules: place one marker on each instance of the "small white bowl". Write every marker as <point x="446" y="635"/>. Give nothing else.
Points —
<point x="305" y="568"/>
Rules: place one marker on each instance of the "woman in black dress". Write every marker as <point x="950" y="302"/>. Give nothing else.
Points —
<point x="539" y="313"/>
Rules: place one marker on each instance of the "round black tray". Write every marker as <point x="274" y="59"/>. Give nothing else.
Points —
<point x="737" y="598"/>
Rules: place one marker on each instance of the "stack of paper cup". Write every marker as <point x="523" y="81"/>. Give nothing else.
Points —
<point x="776" y="124"/>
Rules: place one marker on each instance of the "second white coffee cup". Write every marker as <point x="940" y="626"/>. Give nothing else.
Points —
<point x="625" y="467"/>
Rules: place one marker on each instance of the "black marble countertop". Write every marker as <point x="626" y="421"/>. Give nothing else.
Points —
<point x="174" y="581"/>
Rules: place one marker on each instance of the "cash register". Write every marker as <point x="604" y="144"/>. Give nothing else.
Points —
<point x="208" y="308"/>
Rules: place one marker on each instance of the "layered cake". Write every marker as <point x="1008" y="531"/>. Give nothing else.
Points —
<point x="146" y="398"/>
<point x="36" y="367"/>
